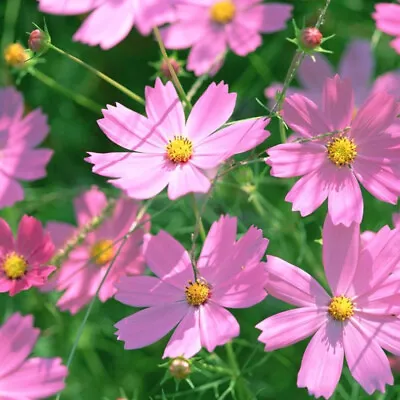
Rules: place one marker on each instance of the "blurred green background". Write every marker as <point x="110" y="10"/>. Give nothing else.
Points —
<point x="101" y="368"/>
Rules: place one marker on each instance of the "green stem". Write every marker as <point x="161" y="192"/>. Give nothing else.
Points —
<point x="175" y="79"/>
<point x="242" y="390"/>
<point x="105" y="77"/>
<point x="198" y="219"/>
<point x="76" y="97"/>
<point x="89" y="310"/>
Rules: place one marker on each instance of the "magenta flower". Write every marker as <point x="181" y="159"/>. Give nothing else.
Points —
<point x="81" y="274"/>
<point x="110" y="21"/>
<point x="356" y="322"/>
<point x="210" y="27"/>
<point x="23" y="261"/>
<point x="20" y="135"/>
<point x="20" y="377"/>
<point x="387" y="18"/>
<point x="230" y="274"/>
<point x="168" y="150"/>
<point x="330" y="167"/>
<point x="356" y="64"/>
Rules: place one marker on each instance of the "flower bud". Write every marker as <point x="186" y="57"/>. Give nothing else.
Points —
<point x="180" y="368"/>
<point x="311" y="38"/>
<point x="164" y="69"/>
<point x="38" y="41"/>
<point x="15" y="55"/>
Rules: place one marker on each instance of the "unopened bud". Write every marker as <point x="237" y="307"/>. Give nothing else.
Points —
<point x="39" y="41"/>
<point x="164" y="69"/>
<point x="15" y="55"/>
<point x="311" y="38"/>
<point x="180" y="368"/>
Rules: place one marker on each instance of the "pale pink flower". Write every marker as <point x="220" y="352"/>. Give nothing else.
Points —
<point x="357" y="64"/>
<point x="230" y="274"/>
<point x="19" y="135"/>
<point x="166" y="149"/>
<point x="331" y="167"/>
<point x="110" y="21"/>
<point x="355" y="322"/>
<point x="23" y="261"/>
<point x="81" y="274"/>
<point x="211" y="27"/>
<point x="387" y="18"/>
<point x="22" y="378"/>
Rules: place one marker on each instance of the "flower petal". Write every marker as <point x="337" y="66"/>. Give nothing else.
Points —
<point x="340" y="254"/>
<point x="6" y="238"/>
<point x="291" y="284"/>
<point x="10" y="191"/>
<point x="185" y="341"/>
<point x="241" y="39"/>
<point x="89" y="205"/>
<point x="217" y="326"/>
<point x="322" y="362"/>
<point x="313" y="74"/>
<point x="150" y="325"/>
<point x="146" y="291"/>
<point x="289" y="327"/>
<point x="68" y="7"/>
<point x="167" y="258"/>
<point x="367" y="362"/>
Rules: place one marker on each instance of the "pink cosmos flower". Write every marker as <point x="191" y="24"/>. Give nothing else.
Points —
<point x="168" y="150"/>
<point x="356" y="64"/>
<point x="22" y="378"/>
<point x="356" y="322"/>
<point x="210" y="27"/>
<point x="230" y="274"/>
<point x="110" y="21"/>
<point x="23" y="260"/>
<point x="363" y="150"/>
<point x="387" y="18"/>
<point x="82" y="273"/>
<point x="18" y="138"/>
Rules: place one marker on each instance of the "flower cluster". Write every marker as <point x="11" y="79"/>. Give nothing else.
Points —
<point x="345" y="135"/>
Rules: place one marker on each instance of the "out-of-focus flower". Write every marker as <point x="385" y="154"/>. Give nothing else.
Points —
<point x="22" y="378"/>
<point x="15" y="55"/>
<point x="230" y="274"/>
<point x="166" y="149"/>
<point x="355" y="322"/>
<point x="81" y="274"/>
<point x="210" y="27"/>
<point x="110" y="21"/>
<point x="20" y="135"/>
<point x="23" y="260"/>
<point x="361" y="150"/>
<point x="387" y="18"/>
<point x="356" y="64"/>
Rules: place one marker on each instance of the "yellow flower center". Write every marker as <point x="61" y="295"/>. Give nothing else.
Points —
<point x="197" y="293"/>
<point x="341" y="308"/>
<point x="14" y="266"/>
<point x="179" y="149"/>
<point x="223" y="12"/>
<point x="15" y="55"/>
<point x="342" y="151"/>
<point x="102" y="252"/>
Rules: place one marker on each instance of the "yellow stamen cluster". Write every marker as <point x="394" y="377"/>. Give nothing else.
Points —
<point x="342" y="151"/>
<point x="223" y="12"/>
<point x="14" y="266"/>
<point x="102" y="252"/>
<point x="179" y="149"/>
<point x="197" y="293"/>
<point x="341" y="308"/>
<point x="15" y="55"/>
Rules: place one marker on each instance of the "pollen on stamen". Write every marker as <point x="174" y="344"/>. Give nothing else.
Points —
<point x="14" y="266"/>
<point x="223" y="12"/>
<point x="102" y="252"/>
<point x="341" y="308"/>
<point x="197" y="293"/>
<point x="342" y="151"/>
<point x="179" y="149"/>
